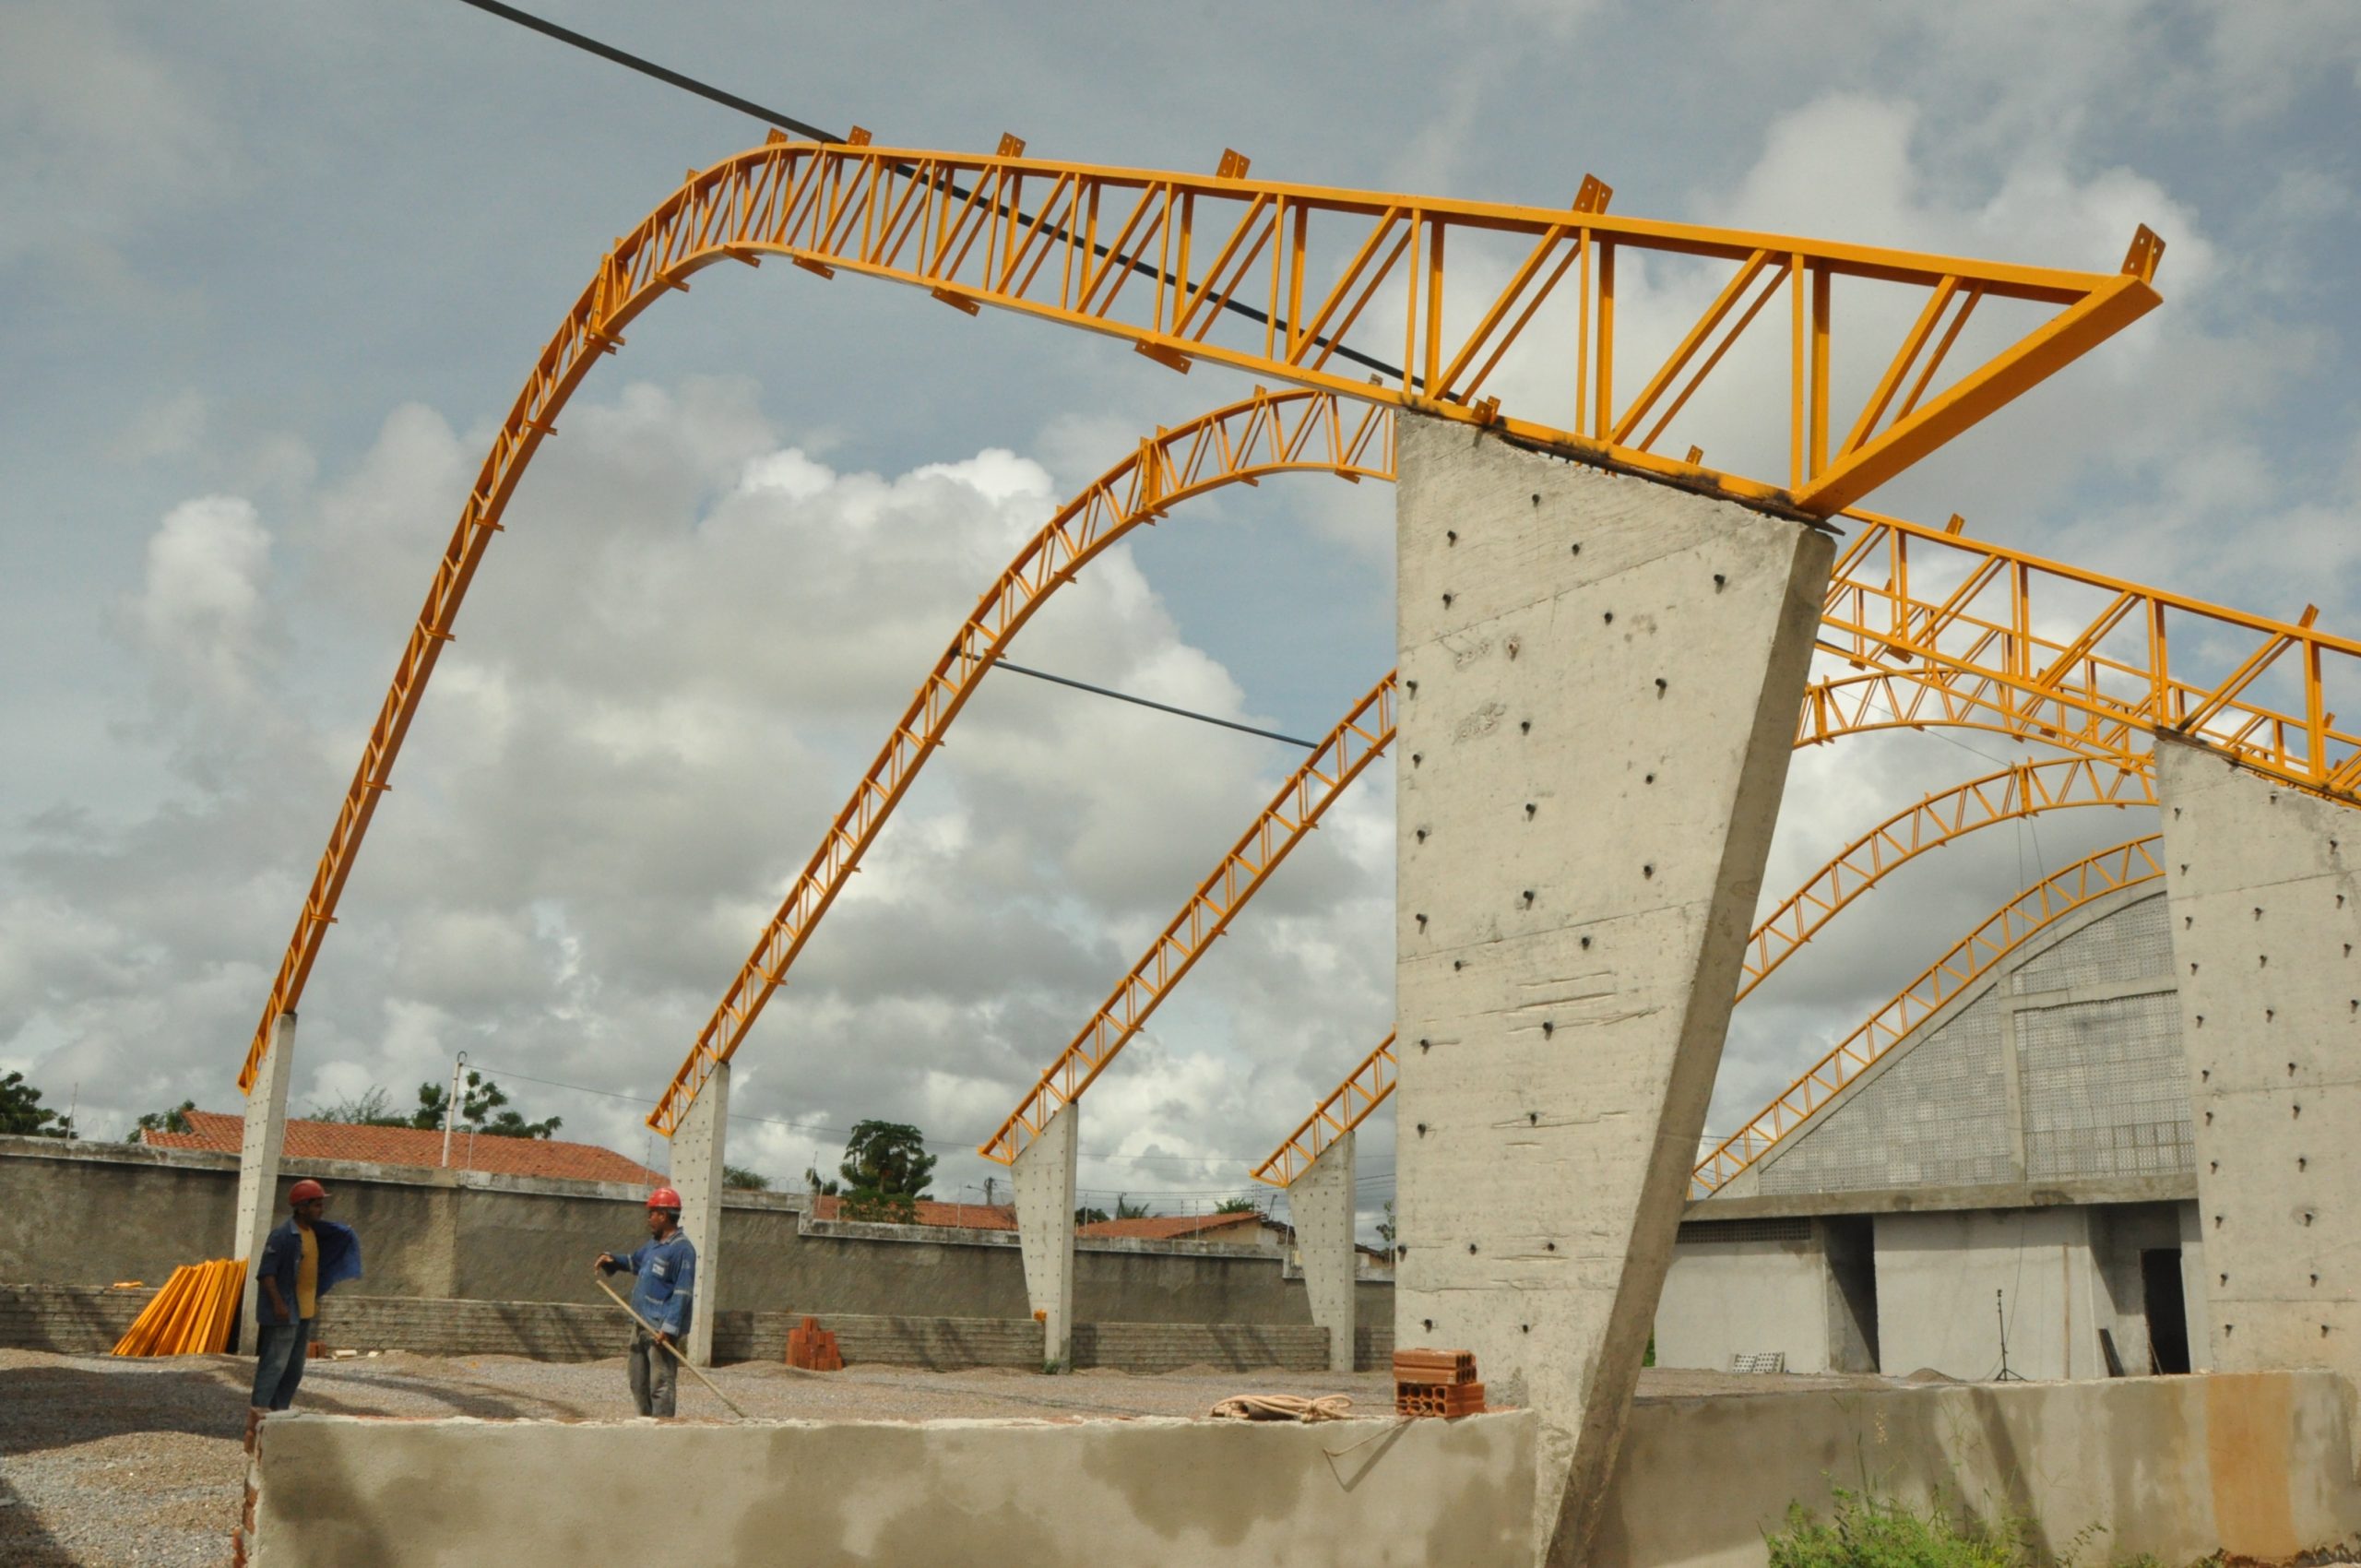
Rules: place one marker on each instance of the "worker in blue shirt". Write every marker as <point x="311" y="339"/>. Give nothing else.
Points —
<point x="302" y="1261"/>
<point x="664" y="1271"/>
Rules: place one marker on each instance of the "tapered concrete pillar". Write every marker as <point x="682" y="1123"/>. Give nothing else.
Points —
<point x="258" y="1156"/>
<point x="2266" y="930"/>
<point x="1319" y="1202"/>
<point x="1044" y="1182"/>
<point x="698" y="1175"/>
<point x="1600" y="678"/>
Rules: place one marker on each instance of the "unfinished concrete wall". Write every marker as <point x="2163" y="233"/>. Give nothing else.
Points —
<point x="1044" y="1182"/>
<point x="2266" y="918"/>
<point x="2259" y="1466"/>
<point x="353" y="1493"/>
<point x="1599" y="681"/>
<point x="92" y="1214"/>
<point x="1946" y="1282"/>
<point x="1746" y="1288"/>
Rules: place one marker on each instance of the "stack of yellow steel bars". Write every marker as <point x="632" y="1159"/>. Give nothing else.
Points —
<point x="192" y="1314"/>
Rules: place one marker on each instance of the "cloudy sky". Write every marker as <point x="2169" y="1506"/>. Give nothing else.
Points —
<point x="271" y="273"/>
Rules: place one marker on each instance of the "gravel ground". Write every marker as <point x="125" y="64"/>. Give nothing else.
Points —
<point x="106" y="1462"/>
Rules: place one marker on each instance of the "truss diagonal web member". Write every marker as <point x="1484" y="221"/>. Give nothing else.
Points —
<point x="1359" y="739"/>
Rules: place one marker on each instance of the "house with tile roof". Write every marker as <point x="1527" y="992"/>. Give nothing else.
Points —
<point x="418" y="1147"/>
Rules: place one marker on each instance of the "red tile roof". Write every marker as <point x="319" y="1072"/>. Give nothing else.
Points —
<point x="1180" y="1227"/>
<point x="972" y="1216"/>
<point x="416" y="1147"/>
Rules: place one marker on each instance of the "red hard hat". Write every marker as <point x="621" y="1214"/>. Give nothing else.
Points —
<point x="305" y="1190"/>
<point x="664" y="1197"/>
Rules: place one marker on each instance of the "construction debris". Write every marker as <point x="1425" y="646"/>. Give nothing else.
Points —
<point x="193" y="1314"/>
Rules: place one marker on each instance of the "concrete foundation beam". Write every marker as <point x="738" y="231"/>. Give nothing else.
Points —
<point x="1320" y="1204"/>
<point x="1044" y="1182"/>
<point x="700" y="1177"/>
<point x="2266" y="925"/>
<point x="259" y="1158"/>
<point x="1600" y="676"/>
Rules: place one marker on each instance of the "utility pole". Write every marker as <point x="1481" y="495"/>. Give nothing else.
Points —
<point x="451" y="1106"/>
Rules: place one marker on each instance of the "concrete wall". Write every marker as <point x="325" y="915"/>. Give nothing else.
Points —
<point x="1937" y="1277"/>
<point x="1600" y="677"/>
<point x="1760" y="1286"/>
<point x="355" y="1494"/>
<point x="2266" y="923"/>
<point x="93" y="1214"/>
<point x="2260" y="1466"/>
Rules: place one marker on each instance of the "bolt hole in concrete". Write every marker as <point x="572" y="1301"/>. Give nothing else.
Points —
<point x="1528" y="811"/>
<point x="1611" y="617"/>
<point x="1586" y="944"/>
<point x="1719" y="582"/>
<point x="1449" y="536"/>
<point x="1524" y="726"/>
<point x="1651" y="778"/>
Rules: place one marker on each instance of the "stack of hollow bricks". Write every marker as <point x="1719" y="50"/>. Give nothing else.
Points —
<point x="1436" y="1383"/>
<point x="812" y="1347"/>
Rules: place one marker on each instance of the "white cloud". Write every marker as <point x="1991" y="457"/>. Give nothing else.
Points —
<point x="200" y="608"/>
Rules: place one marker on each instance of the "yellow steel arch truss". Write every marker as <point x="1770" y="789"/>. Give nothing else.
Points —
<point x="1290" y="432"/>
<point x="960" y="226"/>
<point x="2025" y="789"/>
<point x="1358" y="739"/>
<point x="1972" y="956"/>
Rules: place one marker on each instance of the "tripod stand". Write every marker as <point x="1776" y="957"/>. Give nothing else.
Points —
<point x="2000" y="1315"/>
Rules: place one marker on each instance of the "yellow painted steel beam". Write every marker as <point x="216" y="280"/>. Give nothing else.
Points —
<point x="1972" y="957"/>
<point x="1267" y="433"/>
<point x="1071" y="243"/>
<point x="2024" y="789"/>
<point x="1359" y="739"/>
<point x="1365" y="1089"/>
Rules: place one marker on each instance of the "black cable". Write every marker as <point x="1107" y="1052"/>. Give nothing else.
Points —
<point x="1159" y="707"/>
<point x="670" y="77"/>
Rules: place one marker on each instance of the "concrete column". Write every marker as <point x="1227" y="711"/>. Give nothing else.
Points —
<point x="698" y="1176"/>
<point x="2266" y="923"/>
<point x="1320" y="1202"/>
<point x="1043" y="1181"/>
<point x="1600" y="678"/>
<point x="266" y="1138"/>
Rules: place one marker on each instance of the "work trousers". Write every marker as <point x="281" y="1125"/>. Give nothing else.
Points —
<point x="654" y="1373"/>
<point x="278" y="1362"/>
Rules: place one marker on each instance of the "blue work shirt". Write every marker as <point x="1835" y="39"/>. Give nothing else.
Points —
<point x="282" y="1257"/>
<point x="664" y="1282"/>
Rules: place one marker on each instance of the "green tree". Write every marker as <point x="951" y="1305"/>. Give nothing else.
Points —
<point x="1126" y="1209"/>
<point x="479" y="1100"/>
<point x="885" y="1172"/>
<point x="826" y="1186"/>
<point x="373" y="1108"/>
<point x="1386" y="1228"/>
<point x="1237" y="1205"/>
<point x="173" y="1121"/>
<point x="1090" y="1217"/>
<point x="21" y="1111"/>
<point x="744" y="1180"/>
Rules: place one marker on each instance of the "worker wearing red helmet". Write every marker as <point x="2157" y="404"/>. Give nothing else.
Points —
<point x="302" y="1261"/>
<point x="664" y="1271"/>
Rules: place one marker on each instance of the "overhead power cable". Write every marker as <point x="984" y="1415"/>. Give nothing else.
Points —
<point x="1159" y="707"/>
<point x="670" y="77"/>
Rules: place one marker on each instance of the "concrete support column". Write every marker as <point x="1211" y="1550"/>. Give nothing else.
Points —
<point x="1320" y="1202"/>
<point x="2266" y="923"/>
<point x="1043" y="1180"/>
<point x="698" y="1175"/>
<point x="1600" y="677"/>
<point x="258" y="1156"/>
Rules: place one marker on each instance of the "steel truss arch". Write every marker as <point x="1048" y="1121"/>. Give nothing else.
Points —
<point x="1974" y="955"/>
<point x="1289" y="432"/>
<point x="1359" y="739"/>
<point x="2023" y="789"/>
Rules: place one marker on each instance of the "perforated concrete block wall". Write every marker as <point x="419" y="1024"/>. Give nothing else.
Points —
<point x="2064" y="1064"/>
<point x="2266" y="917"/>
<point x="1599" y="678"/>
